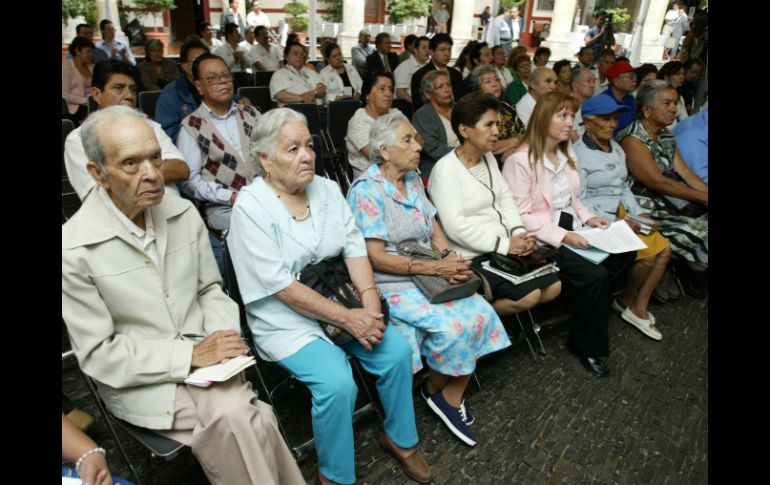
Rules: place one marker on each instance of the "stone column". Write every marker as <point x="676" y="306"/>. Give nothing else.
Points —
<point x="652" y="51"/>
<point x="352" y="24"/>
<point x="559" y="40"/>
<point x="462" y="25"/>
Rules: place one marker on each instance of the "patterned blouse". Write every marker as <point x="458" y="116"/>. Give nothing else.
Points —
<point x="662" y="152"/>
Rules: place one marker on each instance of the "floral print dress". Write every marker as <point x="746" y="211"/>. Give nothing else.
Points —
<point x="452" y="335"/>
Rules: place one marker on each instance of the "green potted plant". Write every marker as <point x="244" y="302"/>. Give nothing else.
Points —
<point x="154" y="8"/>
<point x="296" y="22"/>
<point x="401" y="10"/>
<point x="71" y="9"/>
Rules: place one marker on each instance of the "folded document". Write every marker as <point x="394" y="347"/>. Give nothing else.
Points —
<point x="205" y="376"/>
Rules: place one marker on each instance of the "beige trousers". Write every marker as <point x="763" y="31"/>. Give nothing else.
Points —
<point x="233" y="435"/>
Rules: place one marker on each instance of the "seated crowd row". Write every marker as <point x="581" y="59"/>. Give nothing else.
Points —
<point x="134" y="241"/>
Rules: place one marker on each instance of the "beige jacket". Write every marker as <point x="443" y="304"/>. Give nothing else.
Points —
<point x="126" y="317"/>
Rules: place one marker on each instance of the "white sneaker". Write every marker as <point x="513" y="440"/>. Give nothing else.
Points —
<point x="647" y="327"/>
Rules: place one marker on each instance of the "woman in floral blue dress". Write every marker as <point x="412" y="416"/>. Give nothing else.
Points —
<point x="390" y="206"/>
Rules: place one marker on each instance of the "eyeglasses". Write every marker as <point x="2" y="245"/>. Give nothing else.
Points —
<point x="222" y="77"/>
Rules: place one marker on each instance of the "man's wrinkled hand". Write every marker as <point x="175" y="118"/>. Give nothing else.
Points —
<point x="220" y="346"/>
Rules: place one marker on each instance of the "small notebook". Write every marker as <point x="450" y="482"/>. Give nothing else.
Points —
<point x="205" y="376"/>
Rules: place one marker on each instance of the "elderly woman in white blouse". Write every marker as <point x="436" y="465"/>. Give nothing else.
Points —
<point x="342" y="80"/>
<point x="295" y="83"/>
<point x="378" y="97"/>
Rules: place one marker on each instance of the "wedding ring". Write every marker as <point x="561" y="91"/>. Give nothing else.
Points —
<point x="370" y="338"/>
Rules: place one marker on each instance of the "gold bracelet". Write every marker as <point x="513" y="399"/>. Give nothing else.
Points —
<point x="370" y="287"/>
<point x="409" y="267"/>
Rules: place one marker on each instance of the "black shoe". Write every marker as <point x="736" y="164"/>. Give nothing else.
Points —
<point x="595" y="365"/>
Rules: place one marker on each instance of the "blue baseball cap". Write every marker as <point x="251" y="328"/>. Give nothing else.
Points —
<point x="601" y="104"/>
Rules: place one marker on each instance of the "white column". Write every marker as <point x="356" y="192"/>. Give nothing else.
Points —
<point x="352" y="24"/>
<point x="462" y="25"/>
<point x="559" y="39"/>
<point x="652" y="50"/>
<point x="313" y="40"/>
<point x="637" y="34"/>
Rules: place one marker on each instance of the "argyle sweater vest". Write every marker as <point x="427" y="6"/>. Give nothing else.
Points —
<point x="220" y="160"/>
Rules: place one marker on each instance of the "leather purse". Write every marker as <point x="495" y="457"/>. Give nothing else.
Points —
<point x="331" y="279"/>
<point x="436" y="289"/>
<point x="521" y="265"/>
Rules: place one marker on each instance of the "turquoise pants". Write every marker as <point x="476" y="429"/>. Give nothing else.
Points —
<point x="325" y="370"/>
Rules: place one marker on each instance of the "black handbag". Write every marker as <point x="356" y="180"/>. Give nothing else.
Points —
<point x="436" y="289"/>
<point x="331" y="279"/>
<point x="521" y="265"/>
<point x="674" y="205"/>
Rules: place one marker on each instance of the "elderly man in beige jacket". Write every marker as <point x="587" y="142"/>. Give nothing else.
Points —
<point x="142" y="301"/>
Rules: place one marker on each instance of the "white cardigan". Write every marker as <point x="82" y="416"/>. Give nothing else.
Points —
<point x="476" y="220"/>
<point x="333" y="81"/>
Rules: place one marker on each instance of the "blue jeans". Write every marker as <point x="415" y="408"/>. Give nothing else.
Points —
<point x="334" y="396"/>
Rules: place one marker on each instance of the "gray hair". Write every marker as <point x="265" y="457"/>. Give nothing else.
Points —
<point x="266" y="131"/>
<point x="426" y="83"/>
<point x="534" y="75"/>
<point x="92" y="145"/>
<point x="647" y="95"/>
<point x="480" y="71"/>
<point x="383" y="133"/>
<point x="577" y="74"/>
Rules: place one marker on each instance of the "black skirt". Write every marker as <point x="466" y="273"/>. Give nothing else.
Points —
<point x="502" y="288"/>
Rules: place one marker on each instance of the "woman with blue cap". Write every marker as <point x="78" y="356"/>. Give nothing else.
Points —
<point x="603" y="177"/>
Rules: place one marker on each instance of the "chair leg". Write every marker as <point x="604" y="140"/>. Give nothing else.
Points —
<point x="530" y="331"/>
<point x="111" y="428"/>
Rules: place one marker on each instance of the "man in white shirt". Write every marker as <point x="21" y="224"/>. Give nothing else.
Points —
<point x="114" y="84"/>
<point x="220" y="169"/>
<point x="266" y="56"/>
<point x="442" y="17"/>
<point x="206" y="33"/>
<point x="406" y="69"/>
<point x="249" y="39"/>
<point x="257" y="17"/>
<point x="114" y="48"/>
<point x="236" y="57"/>
<point x="361" y="51"/>
<point x="582" y="87"/>
<point x="605" y="60"/>
<point x="542" y="81"/>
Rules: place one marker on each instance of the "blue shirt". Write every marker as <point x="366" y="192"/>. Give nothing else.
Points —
<point x="107" y="49"/>
<point x="624" y="118"/>
<point x="269" y="248"/>
<point x="692" y="140"/>
<point x="598" y="46"/>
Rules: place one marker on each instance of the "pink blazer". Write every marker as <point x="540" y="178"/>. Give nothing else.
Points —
<point x="532" y="193"/>
<point x="73" y="85"/>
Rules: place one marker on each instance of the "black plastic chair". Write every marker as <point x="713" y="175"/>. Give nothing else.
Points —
<point x="404" y="106"/>
<point x="282" y="379"/>
<point x="310" y="110"/>
<point x="259" y="97"/>
<point x="242" y="79"/>
<point x="147" y="102"/>
<point x="92" y="106"/>
<point x="65" y="111"/>
<point x="262" y="78"/>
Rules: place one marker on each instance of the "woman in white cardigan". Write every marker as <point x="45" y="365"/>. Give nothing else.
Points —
<point x="476" y="209"/>
<point x="337" y="75"/>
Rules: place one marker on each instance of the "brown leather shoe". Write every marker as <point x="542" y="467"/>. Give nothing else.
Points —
<point x="414" y="464"/>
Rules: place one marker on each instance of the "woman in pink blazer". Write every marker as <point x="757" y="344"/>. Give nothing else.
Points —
<point x="76" y="77"/>
<point x="544" y="182"/>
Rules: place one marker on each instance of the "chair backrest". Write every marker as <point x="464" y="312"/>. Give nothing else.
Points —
<point x="64" y="107"/>
<point x="310" y="110"/>
<point x="92" y="106"/>
<point x="259" y="97"/>
<point x="262" y="78"/>
<point x="66" y="128"/>
<point x="320" y="168"/>
<point x="404" y="106"/>
<point x="241" y="79"/>
<point x="339" y="114"/>
<point x="147" y="102"/>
